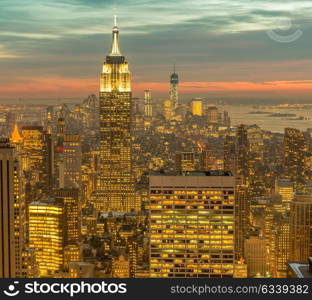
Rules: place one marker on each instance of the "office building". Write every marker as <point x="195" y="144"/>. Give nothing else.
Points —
<point x="46" y="225"/>
<point x="285" y="188"/>
<point x="197" y="107"/>
<point x="148" y="107"/>
<point x="8" y="251"/>
<point x="72" y="160"/>
<point x="192" y="225"/>
<point x="294" y="157"/>
<point x="300" y="228"/>
<point x="115" y="130"/>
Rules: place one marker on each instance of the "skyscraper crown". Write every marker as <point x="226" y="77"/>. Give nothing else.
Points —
<point x="115" y="49"/>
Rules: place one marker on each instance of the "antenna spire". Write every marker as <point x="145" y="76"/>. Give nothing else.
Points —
<point x="115" y="50"/>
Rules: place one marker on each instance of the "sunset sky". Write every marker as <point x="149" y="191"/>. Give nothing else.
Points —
<point x="55" y="48"/>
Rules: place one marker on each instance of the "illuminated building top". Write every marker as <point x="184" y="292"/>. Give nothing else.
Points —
<point x="115" y="73"/>
<point x="174" y="78"/>
<point x="16" y="138"/>
<point x="174" y="82"/>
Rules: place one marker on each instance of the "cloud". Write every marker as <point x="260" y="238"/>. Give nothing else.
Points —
<point x="209" y="40"/>
<point x="55" y="86"/>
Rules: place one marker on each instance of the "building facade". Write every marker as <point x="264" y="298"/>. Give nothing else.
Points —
<point x="192" y="225"/>
<point x="115" y="130"/>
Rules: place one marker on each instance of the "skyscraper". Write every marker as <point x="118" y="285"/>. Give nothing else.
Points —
<point x="174" y="84"/>
<point x="255" y="161"/>
<point x="242" y="203"/>
<point x="242" y="153"/>
<point x="69" y="197"/>
<point x="197" y="107"/>
<point x="12" y="210"/>
<point x="115" y="130"/>
<point x="46" y="235"/>
<point x="72" y="160"/>
<point x="148" y="108"/>
<point x="242" y="217"/>
<point x="212" y="113"/>
<point x="294" y="154"/>
<point x="192" y="225"/>
<point x="33" y="147"/>
<point x="230" y="153"/>
<point x="7" y="242"/>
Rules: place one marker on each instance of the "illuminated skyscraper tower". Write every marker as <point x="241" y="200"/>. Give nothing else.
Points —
<point x="174" y="82"/>
<point x="148" y="109"/>
<point x="115" y="130"/>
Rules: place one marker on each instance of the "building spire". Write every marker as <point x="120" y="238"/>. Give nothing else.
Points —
<point x="16" y="137"/>
<point x="115" y="51"/>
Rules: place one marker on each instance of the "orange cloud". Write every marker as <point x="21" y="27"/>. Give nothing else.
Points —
<point x="51" y="87"/>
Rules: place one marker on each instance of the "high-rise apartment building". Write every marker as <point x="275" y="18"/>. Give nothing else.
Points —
<point x="192" y="225"/>
<point x="115" y="130"/>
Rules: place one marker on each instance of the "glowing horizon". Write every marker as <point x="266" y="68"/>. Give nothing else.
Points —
<point x="57" y="47"/>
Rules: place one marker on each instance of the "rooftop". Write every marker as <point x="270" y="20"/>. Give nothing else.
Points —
<point x="200" y="179"/>
<point x="301" y="270"/>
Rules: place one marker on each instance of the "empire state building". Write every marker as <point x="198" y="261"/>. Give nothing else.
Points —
<point x="117" y="184"/>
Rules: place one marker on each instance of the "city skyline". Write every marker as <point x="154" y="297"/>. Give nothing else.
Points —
<point x="54" y="50"/>
<point x="176" y="186"/>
